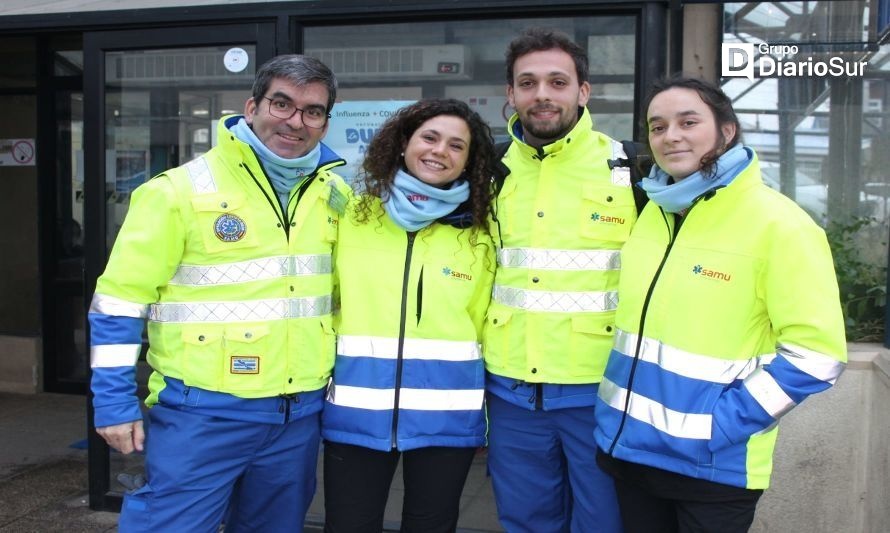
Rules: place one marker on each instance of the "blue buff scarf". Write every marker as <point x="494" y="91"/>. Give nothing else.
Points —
<point x="285" y="174"/>
<point x="678" y="196"/>
<point x="414" y="205"/>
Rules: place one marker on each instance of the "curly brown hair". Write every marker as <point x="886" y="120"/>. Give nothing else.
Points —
<point x="383" y="157"/>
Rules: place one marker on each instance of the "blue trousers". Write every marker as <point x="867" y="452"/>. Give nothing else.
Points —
<point x="544" y="472"/>
<point x="199" y="467"/>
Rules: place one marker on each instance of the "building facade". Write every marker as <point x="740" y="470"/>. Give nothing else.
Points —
<point x="97" y="99"/>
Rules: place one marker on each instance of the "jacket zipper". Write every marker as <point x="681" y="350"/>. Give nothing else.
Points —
<point x="672" y="237"/>
<point x="284" y="217"/>
<point x="402" y="320"/>
<point x="285" y="408"/>
<point x="420" y="295"/>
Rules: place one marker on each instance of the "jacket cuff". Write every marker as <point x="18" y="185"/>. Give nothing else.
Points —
<point x="120" y="413"/>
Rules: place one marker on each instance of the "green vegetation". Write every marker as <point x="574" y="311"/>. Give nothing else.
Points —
<point x="862" y="279"/>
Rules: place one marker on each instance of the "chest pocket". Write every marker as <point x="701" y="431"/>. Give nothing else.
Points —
<point x="607" y="212"/>
<point x="225" y="222"/>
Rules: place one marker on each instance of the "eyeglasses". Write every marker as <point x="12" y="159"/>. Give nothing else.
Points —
<point x="312" y="117"/>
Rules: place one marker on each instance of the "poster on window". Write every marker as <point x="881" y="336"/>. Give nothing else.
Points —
<point x="352" y="126"/>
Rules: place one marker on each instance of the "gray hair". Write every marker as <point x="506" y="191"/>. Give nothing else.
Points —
<point x="298" y="69"/>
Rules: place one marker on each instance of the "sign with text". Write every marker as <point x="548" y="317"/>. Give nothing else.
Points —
<point x="352" y="126"/>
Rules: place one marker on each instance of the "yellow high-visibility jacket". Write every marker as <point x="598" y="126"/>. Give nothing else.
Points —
<point x="559" y="222"/>
<point x="409" y="370"/>
<point x="741" y="321"/>
<point x="237" y="291"/>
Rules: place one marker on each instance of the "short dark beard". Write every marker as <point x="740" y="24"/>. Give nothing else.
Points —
<point x="547" y="137"/>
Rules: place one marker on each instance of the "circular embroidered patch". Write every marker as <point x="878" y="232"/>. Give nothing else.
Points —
<point x="229" y="228"/>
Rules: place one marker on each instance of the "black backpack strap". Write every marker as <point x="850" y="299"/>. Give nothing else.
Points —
<point x="501" y="170"/>
<point x="636" y="159"/>
<point x="638" y="162"/>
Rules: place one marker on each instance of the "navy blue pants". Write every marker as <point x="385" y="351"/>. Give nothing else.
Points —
<point x="199" y="467"/>
<point x="544" y="472"/>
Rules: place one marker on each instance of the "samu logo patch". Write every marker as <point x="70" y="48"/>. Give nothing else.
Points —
<point x="244" y="364"/>
<point x="229" y="228"/>
<point x="456" y="275"/>
<point x="606" y="219"/>
<point x="712" y="274"/>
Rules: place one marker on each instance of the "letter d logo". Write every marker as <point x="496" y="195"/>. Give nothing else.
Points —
<point x="737" y="60"/>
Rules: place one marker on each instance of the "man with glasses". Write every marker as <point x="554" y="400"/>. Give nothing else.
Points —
<point x="229" y="259"/>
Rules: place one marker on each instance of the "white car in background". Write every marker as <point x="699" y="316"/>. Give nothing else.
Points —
<point x="812" y="195"/>
<point x="809" y="194"/>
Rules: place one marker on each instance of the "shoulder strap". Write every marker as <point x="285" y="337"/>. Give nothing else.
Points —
<point x="636" y="159"/>
<point x="501" y="171"/>
<point x="638" y="162"/>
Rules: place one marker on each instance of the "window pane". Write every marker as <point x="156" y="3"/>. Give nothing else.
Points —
<point x="18" y="57"/>
<point x="382" y="67"/>
<point x="823" y="140"/>
<point x="161" y="110"/>
<point x="802" y="22"/>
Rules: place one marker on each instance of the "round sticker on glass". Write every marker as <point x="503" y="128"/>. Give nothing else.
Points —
<point x="235" y="59"/>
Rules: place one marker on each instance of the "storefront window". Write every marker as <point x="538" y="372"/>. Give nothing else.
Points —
<point x="161" y="109"/>
<point x="382" y="67"/>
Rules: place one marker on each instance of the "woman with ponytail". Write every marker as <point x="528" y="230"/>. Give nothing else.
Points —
<point x="728" y="317"/>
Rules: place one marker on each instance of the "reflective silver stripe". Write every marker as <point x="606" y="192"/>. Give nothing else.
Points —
<point x="818" y="365"/>
<point x="620" y="175"/>
<point x="648" y="411"/>
<point x="767" y="392"/>
<point x="542" y="259"/>
<point x="109" y="305"/>
<point x="258" y="269"/>
<point x="200" y="176"/>
<point x="417" y="399"/>
<point x="441" y="400"/>
<point x="241" y="311"/>
<point x="388" y="348"/>
<point x="688" y="364"/>
<point x="553" y="301"/>
<point x="111" y="355"/>
<point x="713" y="369"/>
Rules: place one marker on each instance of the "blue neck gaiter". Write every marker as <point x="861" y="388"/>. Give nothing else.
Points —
<point x="678" y="196"/>
<point x="414" y="205"/>
<point x="285" y="174"/>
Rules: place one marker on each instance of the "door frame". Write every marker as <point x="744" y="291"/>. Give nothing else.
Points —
<point x="262" y="34"/>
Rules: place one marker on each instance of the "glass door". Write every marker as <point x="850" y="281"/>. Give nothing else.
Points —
<point x="152" y="100"/>
<point x="161" y="107"/>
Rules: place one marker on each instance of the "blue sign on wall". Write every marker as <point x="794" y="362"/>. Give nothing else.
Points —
<point x="352" y="126"/>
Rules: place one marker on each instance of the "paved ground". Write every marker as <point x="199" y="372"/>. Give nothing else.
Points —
<point x="44" y="485"/>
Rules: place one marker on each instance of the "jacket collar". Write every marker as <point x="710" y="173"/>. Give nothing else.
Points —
<point x="583" y="127"/>
<point x="328" y="160"/>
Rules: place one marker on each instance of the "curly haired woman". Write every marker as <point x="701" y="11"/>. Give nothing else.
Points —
<point x="415" y="266"/>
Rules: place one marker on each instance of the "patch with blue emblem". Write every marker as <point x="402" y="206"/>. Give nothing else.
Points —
<point x="229" y="228"/>
<point x="244" y="364"/>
